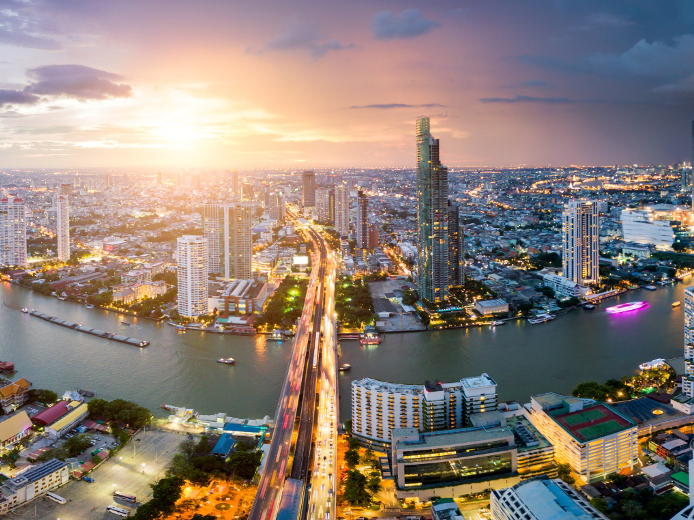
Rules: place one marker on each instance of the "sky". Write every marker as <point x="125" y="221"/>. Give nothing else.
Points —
<point x="170" y="84"/>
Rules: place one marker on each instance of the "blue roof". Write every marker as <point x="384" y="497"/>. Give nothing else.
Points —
<point x="230" y="427"/>
<point x="224" y="445"/>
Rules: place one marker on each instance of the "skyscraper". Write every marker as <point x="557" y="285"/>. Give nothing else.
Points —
<point x="342" y="209"/>
<point x="108" y="181"/>
<point x="688" y="378"/>
<point x="308" y="193"/>
<point x="580" y="242"/>
<point x="228" y="231"/>
<point x="432" y="217"/>
<point x="62" y="232"/>
<point x="373" y="237"/>
<point x="362" y="221"/>
<point x="456" y="260"/>
<point x="192" y="275"/>
<point x="325" y="205"/>
<point x="13" y="232"/>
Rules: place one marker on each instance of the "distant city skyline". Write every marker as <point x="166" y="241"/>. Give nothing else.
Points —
<point x="309" y="84"/>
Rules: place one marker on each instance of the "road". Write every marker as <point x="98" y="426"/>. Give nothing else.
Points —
<point x="272" y="481"/>
<point x="322" y="503"/>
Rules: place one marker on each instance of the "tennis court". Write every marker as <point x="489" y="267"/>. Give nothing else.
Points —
<point x="584" y="417"/>
<point x="600" y="430"/>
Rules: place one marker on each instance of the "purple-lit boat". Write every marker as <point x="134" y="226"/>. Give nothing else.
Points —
<point x="626" y="307"/>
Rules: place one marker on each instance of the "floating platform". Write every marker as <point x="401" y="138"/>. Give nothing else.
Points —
<point x="94" y="332"/>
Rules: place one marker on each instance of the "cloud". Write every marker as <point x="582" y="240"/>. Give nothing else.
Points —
<point x="398" y="105"/>
<point x="408" y="24"/>
<point x="604" y="21"/>
<point x="531" y="99"/>
<point x="302" y="37"/>
<point x="536" y="83"/>
<point x="76" y="81"/>
<point x="17" y="97"/>
<point x="20" y="27"/>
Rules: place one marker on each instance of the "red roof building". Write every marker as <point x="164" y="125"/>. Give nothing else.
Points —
<point x="52" y="414"/>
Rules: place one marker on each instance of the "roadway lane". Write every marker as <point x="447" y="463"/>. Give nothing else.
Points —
<point x="272" y="480"/>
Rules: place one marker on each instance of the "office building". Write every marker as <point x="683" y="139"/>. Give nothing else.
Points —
<point x="659" y="225"/>
<point x="580" y="242"/>
<point x="62" y="232"/>
<point x="362" y="221"/>
<point x="541" y="498"/>
<point x="228" y="229"/>
<point x="461" y="461"/>
<point x="276" y="208"/>
<point x="379" y="407"/>
<point x="342" y="209"/>
<point x="456" y="258"/>
<point x="13" y="232"/>
<point x="192" y="275"/>
<point x="308" y="193"/>
<point x="432" y="217"/>
<point x="325" y="205"/>
<point x="591" y="437"/>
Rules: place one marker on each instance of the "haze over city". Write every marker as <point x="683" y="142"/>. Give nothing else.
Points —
<point x="338" y="84"/>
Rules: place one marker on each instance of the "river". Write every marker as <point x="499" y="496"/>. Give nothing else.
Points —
<point x="181" y="369"/>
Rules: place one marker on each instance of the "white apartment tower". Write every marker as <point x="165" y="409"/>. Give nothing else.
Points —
<point x="13" y="232"/>
<point x="580" y="242"/>
<point x="228" y="230"/>
<point x="342" y="209"/>
<point x="688" y="378"/>
<point x="62" y="228"/>
<point x="192" y="275"/>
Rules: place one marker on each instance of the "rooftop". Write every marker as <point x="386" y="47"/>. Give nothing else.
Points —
<point x="458" y="436"/>
<point x="592" y="422"/>
<point x="546" y="499"/>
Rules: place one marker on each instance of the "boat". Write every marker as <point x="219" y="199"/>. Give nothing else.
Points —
<point x="226" y="361"/>
<point x="62" y="298"/>
<point x="276" y="335"/>
<point x="626" y="307"/>
<point x="541" y="318"/>
<point x="125" y="323"/>
<point x="589" y="306"/>
<point x="345" y="368"/>
<point x="6" y="366"/>
<point x="89" y="305"/>
<point x="498" y="322"/>
<point x="25" y="310"/>
<point x="650" y="365"/>
<point x="650" y="287"/>
<point x="676" y="304"/>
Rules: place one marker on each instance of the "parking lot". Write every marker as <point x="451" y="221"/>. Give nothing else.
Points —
<point x="130" y="471"/>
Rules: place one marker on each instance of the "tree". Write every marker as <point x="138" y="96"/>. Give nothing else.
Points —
<point x="679" y="247"/>
<point x="373" y="485"/>
<point x="591" y="390"/>
<point x="351" y="458"/>
<point x="244" y="464"/>
<point x="600" y="504"/>
<point x="355" y="489"/>
<point x="76" y="445"/>
<point x="43" y="396"/>
<point x="564" y="473"/>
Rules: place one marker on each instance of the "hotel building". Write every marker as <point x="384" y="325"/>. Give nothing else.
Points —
<point x="592" y="437"/>
<point x="13" y="232"/>
<point x="686" y="403"/>
<point x="192" y="275"/>
<point x="228" y="230"/>
<point x="62" y="207"/>
<point x="580" y="242"/>
<point x="379" y="407"/>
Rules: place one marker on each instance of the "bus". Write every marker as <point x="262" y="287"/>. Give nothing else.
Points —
<point x="125" y="497"/>
<point x="56" y="498"/>
<point x="118" y="511"/>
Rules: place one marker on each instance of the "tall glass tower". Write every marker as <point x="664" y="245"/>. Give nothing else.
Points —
<point x="432" y="217"/>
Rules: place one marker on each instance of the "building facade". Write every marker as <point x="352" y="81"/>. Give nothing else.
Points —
<point x="432" y="217"/>
<point x="192" y="275"/>
<point x="62" y="231"/>
<point x="541" y="499"/>
<point x="308" y="193"/>
<point x="325" y="205"/>
<point x="563" y="287"/>
<point x="688" y="377"/>
<point x="228" y="229"/>
<point x="580" y="242"/>
<point x="456" y="257"/>
<point x="659" y="225"/>
<point x="342" y="209"/>
<point x="379" y="407"/>
<point x="362" y="221"/>
<point x="13" y="232"/>
<point x="33" y="483"/>
<point x="591" y="437"/>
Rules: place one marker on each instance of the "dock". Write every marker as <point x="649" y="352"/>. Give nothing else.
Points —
<point x="87" y="330"/>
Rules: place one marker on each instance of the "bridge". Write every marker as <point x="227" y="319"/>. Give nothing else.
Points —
<point x="299" y="477"/>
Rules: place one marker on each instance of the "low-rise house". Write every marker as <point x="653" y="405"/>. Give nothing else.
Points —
<point x="14" y="395"/>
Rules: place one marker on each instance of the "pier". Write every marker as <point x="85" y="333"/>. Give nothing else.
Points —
<point x="87" y="330"/>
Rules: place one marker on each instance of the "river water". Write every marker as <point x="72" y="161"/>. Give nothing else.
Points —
<point x="181" y="369"/>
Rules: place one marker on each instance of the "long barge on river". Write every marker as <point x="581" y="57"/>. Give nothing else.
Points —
<point x="87" y="330"/>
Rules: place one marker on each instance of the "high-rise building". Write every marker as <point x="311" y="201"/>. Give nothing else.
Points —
<point x="228" y="231"/>
<point x="275" y="210"/>
<point x="308" y="193"/>
<point x="159" y="178"/>
<point x="580" y="242"/>
<point x="325" y="205"/>
<point x="691" y="170"/>
<point x="108" y="181"/>
<point x="192" y="275"/>
<point x="62" y="232"/>
<point x="688" y="377"/>
<point x="373" y="237"/>
<point x="13" y="232"/>
<point x="432" y="217"/>
<point x="248" y="193"/>
<point x="456" y="259"/>
<point x="342" y="209"/>
<point x="362" y="221"/>
<point x="65" y="189"/>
